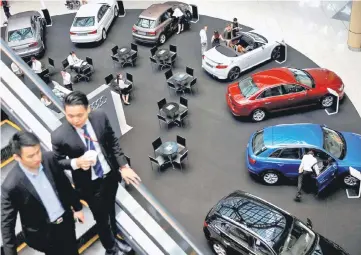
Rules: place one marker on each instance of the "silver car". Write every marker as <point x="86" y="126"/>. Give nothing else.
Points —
<point x="155" y="24"/>
<point x="25" y="34"/>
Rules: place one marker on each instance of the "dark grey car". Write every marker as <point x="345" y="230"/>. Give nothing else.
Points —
<point x="25" y="34"/>
<point x="155" y="24"/>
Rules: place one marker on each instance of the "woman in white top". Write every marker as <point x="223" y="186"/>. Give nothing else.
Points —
<point x="124" y="89"/>
<point x="180" y="15"/>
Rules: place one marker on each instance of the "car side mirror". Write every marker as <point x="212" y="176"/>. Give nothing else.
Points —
<point x="263" y="47"/>
<point x="309" y="223"/>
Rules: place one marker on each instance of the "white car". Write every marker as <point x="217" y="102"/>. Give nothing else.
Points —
<point x="224" y="62"/>
<point x="92" y="21"/>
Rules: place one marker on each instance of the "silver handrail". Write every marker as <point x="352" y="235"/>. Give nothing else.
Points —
<point x="166" y="215"/>
<point x="39" y="83"/>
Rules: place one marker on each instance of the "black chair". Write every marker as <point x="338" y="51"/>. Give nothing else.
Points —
<point x="183" y="104"/>
<point x="116" y="61"/>
<point x="191" y="85"/>
<point x="173" y="48"/>
<point x="157" y="143"/>
<point x="171" y="62"/>
<point x="190" y="71"/>
<point x="153" y="62"/>
<point x="181" y="143"/>
<point x="129" y="80"/>
<point x="164" y="120"/>
<point x="65" y="63"/>
<point x="180" y="158"/>
<point x="153" y="50"/>
<point x="128" y="160"/>
<point x="168" y="74"/>
<point x="85" y="73"/>
<point x="51" y="66"/>
<point x="89" y="61"/>
<point x="159" y="162"/>
<point x="134" y="47"/>
<point x="180" y="119"/>
<point x="171" y="86"/>
<point x="162" y="103"/>
<point x="109" y="79"/>
<point x="133" y="58"/>
<point x="115" y="50"/>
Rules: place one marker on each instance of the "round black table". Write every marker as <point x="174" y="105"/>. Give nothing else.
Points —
<point x="181" y="78"/>
<point x="171" y="109"/>
<point x="162" y="54"/>
<point x="169" y="150"/>
<point x="123" y="52"/>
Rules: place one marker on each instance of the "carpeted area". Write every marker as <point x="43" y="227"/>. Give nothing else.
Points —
<point x="216" y="140"/>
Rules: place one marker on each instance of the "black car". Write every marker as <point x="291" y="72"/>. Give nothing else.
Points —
<point x="245" y="224"/>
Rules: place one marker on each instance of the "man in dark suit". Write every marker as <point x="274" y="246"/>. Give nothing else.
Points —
<point x="39" y="191"/>
<point x="86" y="144"/>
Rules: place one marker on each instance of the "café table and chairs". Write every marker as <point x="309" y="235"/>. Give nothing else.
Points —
<point x="169" y="153"/>
<point x="125" y="55"/>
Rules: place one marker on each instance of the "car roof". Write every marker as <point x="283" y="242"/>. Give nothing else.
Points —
<point x="155" y="10"/>
<point x="272" y="77"/>
<point x="254" y="214"/>
<point x="300" y="135"/>
<point x="20" y="20"/>
<point x="87" y="10"/>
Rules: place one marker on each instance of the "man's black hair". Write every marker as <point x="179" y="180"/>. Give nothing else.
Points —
<point x="76" y="98"/>
<point x="23" y="139"/>
<point x="235" y="20"/>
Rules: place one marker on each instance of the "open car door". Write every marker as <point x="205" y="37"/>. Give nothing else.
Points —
<point x="195" y="14"/>
<point x="326" y="177"/>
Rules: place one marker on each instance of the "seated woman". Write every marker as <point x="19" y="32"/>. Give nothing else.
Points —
<point x="238" y="48"/>
<point x="123" y="88"/>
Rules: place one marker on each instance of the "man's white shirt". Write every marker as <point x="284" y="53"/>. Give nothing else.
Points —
<point x="203" y="36"/>
<point x="101" y="158"/>
<point x="36" y="66"/>
<point x="66" y="78"/>
<point x="309" y="161"/>
<point x="73" y="60"/>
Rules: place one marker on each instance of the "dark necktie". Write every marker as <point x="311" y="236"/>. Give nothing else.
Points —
<point x="90" y="146"/>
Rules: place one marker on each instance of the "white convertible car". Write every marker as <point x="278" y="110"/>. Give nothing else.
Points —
<point x="224" y="62"/>
<point x="92" y="21"/>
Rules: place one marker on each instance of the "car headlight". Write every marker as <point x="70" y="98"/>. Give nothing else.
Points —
<point x="341" y="88"/>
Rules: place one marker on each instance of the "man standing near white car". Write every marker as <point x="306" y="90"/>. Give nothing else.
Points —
<point x="204" y="39"/>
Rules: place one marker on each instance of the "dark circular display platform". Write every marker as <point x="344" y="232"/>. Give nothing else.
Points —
<point x="216" y="140"/>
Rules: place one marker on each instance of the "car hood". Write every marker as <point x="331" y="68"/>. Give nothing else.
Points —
<point x="327" y="247"/>
<point x="214" y="56"/>
<point x="325" y="78"/>
<point x="353" y="143"/>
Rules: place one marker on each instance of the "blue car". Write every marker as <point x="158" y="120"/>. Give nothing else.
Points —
<point x="276" y="152"/>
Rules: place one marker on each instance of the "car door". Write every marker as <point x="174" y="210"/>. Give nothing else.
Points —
<point x="260" y="248"/>
<point x="166" y="22"/>
<point x="286" y="161"/>
<point x="108" y="15"/>
<point x="239" y="241"/>
<point x="257" y="55"/>
<point x="294" y="95"/>
<point x="271" y="99"/>
<point x="326" y="177"/>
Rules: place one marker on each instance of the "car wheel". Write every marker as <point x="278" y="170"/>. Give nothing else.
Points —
<point x="234" y="73"/>
<point x="327" y="101"/>
<point x="104" y="35"/>
<point x="162" y="39"/>
<point x="276" y="53"/>
<point x="258" y="115"/>
<point x="349" y="180"/>
<point x="218" y="248"/>
<point x="271" y="177"/>
<point x="116" y="12"/>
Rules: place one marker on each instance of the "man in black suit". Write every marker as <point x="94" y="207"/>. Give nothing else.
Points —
<point x="86" y="144"/>
<point x="39" y="191"/>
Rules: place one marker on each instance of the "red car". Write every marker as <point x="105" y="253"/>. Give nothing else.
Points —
<point x="281" y="89"/>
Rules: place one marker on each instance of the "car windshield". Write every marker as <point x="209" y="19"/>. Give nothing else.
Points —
<point x="258" y="37"/>
<point x="258" y="143"/>
<point x="20" y="34"/>
<point x="248" y="87"/>
<point x="300" y="240"/>
<point x="334" y="143"/>
<point x="84" y="22"/>
<point x="302" y="77"/>
<point x="145" y="23"/>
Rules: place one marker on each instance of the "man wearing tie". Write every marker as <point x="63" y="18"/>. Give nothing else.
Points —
<point x="87" y="145"/>
<point x="39" y="191"/>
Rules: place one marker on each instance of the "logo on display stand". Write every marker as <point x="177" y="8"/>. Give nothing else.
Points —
<point x="98" y="102"/>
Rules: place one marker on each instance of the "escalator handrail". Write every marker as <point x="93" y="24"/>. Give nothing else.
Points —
<point x="166" y="215"/>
